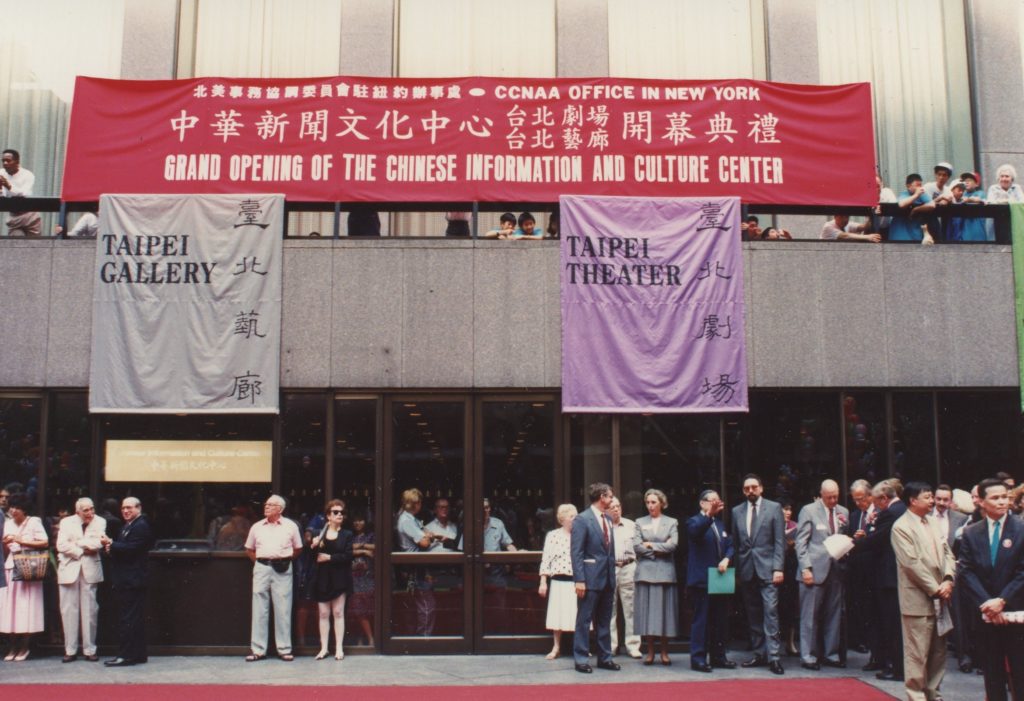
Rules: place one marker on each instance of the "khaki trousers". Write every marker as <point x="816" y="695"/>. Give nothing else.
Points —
<point x="924" y="657"/>
<point x="625" y="589"/>
<point x="78" y="611"/>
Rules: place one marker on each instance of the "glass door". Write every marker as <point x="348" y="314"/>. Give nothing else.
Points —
<point x="520" y="489"/>
<point x="427" y="602"/>
<point x="471" y="489"/>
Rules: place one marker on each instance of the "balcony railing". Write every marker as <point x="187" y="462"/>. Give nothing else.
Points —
<point x="998" y="213"/>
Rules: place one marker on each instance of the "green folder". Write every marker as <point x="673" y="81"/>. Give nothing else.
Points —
<point x="721" y="582"/>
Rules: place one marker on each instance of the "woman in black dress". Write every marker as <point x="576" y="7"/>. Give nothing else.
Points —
<point x="332" y="580"/>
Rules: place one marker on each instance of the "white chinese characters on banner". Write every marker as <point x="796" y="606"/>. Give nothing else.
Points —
<point x="187" y="304"/>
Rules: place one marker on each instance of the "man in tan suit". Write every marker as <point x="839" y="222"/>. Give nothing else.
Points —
<point x="78" y="572"/>
<point x="925" y="571"/>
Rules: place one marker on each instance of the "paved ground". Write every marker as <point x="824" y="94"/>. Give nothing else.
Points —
<point x="473" y="670"/>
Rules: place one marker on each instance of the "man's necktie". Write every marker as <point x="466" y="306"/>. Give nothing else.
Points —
<point x="753" y="518"/>
<point x="604" y="527"/>
<point x="929" y="533"/>
<point x="832" y="521"/>
<point x="718" y="538"/>
<point x="994" y="545"/>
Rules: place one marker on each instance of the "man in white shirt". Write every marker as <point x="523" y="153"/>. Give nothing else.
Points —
<point x="16" y="181"/>
<point x="272" y="545"/>
<point x="839" y="228"/>
<point x="444" y="531"/>
<point x="939" y="189"/>
<point x="624" y="533"/>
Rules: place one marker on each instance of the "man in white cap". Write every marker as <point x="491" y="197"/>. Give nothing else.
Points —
<point x="939" y="189"/>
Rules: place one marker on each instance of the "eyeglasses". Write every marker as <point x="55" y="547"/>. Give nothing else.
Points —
<point x="751" y="487"/>
<point x="337" y="512"/>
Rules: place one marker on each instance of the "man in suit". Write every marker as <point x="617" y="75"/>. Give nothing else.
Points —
<point x="992" y="577"/>
<point x="861" y="629"/>
<point x="79" y="571"/>
<point x="710" y="546"/>
<point x="821" y="588"/>
<point x="759" y="538"/>
<point x="877" y="542"/>
<point x="925" y="570"/>
<point x="129" y="553"/>
<point x="949" y="522"/>
<point x="592" y="550"/>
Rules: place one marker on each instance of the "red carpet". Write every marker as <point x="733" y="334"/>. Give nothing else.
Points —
<point x="790" y="690"/>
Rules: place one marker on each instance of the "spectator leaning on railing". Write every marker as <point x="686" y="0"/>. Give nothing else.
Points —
<point x="915" y="206"/>
<point x="1006" y="189"/>
<point x="839" y="228"/>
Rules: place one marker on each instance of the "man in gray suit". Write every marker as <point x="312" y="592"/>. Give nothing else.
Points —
<point x="759" y="537"/>
<point x="949" y="523"/>
<point x="821" y="591"/>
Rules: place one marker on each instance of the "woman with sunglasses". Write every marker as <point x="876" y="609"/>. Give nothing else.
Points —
<point x="332" y="580"/>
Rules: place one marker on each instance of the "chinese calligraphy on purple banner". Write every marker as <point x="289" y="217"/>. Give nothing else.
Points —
<point x="652" y="305"/>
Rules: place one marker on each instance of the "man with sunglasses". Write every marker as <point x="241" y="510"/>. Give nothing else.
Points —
<point x="272" y="545"/>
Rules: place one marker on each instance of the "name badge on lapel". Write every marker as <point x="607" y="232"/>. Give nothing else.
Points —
<point x="1007" y="543"/>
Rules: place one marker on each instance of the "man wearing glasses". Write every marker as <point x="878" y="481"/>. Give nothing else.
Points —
<point x="129" y="554"/>
<point x="759" y="539"/>
<point x="272" y="545"/>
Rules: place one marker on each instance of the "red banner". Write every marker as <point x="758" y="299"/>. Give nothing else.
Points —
<point x="473" y="139"/>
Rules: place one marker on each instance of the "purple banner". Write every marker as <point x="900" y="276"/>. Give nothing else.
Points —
<point x="652" y="305"/>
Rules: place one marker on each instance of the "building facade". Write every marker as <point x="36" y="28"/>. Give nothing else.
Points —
<point x="411" y="360"/>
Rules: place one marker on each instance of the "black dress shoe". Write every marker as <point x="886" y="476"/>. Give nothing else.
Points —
<point x="584" y="668"/>
<point x="700" y="667"/>
<point x="92" y="658"/>
<point x="609" y="665"/>
<point x="887" y="674"/>
<point x="833" y="663"/>
<point x="813" y="666"/>
<point x="966" y="667"/>
<point x="872" y="666"/>
<point x="119" y="662"/>
<point x="69" y="658"/>
<point x="755" y="661"/>
<point x="776" y="667"/>
<point x="862" y="649"/>
<point x="724" y="663"/>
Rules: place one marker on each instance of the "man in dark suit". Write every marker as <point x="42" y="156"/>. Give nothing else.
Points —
<point x="593" y="569"/>
<point x="877" y="541"/>
<point x="710" y="546"/>
<point x="128" y="554"/>
<point x="991" y="574"/>
<point x="862" y="629"/>
<point x="759" y="537"/>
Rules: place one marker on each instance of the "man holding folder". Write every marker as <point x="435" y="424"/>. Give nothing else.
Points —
<point x="710" y="549"/>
